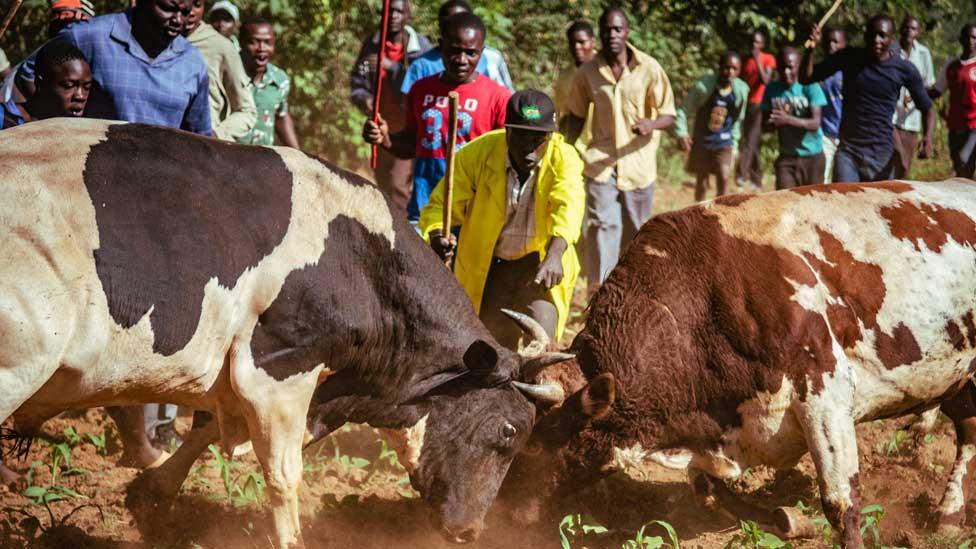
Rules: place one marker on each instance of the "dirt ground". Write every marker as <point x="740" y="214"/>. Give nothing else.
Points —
<point x="356" y="496"/>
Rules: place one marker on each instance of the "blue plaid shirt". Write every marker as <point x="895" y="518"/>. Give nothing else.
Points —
<point x="170" y="90"/>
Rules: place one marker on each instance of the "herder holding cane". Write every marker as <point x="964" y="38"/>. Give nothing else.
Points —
<point x="516" y="253"/>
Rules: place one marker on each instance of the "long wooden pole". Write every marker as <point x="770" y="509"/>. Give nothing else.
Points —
<point x="378" y="84"/>
<point x="452" y="119"/>
<point x="10" y="16"/>
<point x="830" y="13"/>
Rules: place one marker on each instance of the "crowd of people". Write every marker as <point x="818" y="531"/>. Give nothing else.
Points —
<point x="537" y="179"/>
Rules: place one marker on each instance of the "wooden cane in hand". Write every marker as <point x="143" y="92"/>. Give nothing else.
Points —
<point x="378" y="84"/>
<point x="452" y="122"/>
<point x="810" y="44"/>
<point x="10" y="16"/>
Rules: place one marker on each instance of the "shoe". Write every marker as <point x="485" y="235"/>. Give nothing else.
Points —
<point x="167" y="439"/>
<point x="739" y="182"/>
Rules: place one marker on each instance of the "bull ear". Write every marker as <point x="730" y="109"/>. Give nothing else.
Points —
<point x="597" y="397"/>
<point x="481" y="358"/>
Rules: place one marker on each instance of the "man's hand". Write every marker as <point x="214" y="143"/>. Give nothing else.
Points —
<point x="779" y="118"/>
<point x="550" y="272"/>
<point x="443" y="246"/>
<point x="925" y="148"/>
<point x="377" y="134"/>
<point x="685" y="143"/>
<point x="814" y="37"/>
<point x="644" y="126"/>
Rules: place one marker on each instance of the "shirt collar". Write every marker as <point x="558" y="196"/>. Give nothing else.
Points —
<point x="635" y="56"/>
<point x="122" y="32"/>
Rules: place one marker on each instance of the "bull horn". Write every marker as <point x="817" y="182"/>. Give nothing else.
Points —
<point x="549" y="393"/>
<point x="529" y="325"/>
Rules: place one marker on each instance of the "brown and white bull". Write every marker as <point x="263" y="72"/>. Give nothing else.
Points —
<point x="140" y="264"/>
<point x="755" y="328"/>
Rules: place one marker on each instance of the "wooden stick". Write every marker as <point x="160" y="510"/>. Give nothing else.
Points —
<point x="809" y="43"/>
<point x="378" y="85"/>
<point x="452" y="120"/>
<point x="10" y="16"/>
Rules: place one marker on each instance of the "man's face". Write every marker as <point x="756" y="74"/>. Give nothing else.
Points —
<point x="614" y="32"/>
<point x="259" y="47"/>
<point x="192" y="21"/>
<point x="909" y="30"/>
<point x="68" y="88"/>
<point x="968" y="42"/>
<point x="168" y="16"/>
<point x="758" y="41"/>
<point x="835" y="42"/>
<point x="878" y="37"/>
<point x="729" y="70"/>
<point x="223" y="23"/>
<point x="461" y="52"/>
<point x="581" y="46"/>
<point x="789" y="67"/>
<point x="525" y="147"/>
<point x="399" y="15"/>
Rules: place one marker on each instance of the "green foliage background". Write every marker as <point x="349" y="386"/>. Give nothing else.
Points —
<point x="319" y="39"/>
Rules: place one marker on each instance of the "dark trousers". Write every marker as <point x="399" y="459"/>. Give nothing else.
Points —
<point x="851" y="166"/>
<point x="393" y="177"/>
<point x="905" y="145"/>
<point x="703" y="163"/>
<point x="750" y="167"/>
<point x="962" y="149"/>
<point x="796" y="171"/>
<point x="511" y="285"/>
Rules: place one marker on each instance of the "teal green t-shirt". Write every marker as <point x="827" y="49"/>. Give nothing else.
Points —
<point x="797" y="100"/>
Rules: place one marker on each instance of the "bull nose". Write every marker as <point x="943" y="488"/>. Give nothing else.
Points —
<point x="466" y="535"/>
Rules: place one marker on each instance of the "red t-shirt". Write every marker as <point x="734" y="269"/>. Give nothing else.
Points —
<point x="960" y="78"/>
<point x="750" y="73"/>
<point x="481" y="108"/>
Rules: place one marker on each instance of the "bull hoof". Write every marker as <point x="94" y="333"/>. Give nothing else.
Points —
<point x="793" y="524"/>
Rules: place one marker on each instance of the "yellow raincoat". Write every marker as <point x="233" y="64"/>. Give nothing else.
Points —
<point x="480" y="180"/>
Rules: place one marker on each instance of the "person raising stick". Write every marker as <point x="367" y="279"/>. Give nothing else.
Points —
<point x="873" y="78"/>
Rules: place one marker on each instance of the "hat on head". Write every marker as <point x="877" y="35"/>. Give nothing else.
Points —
<point x="531" y="110"/>
<point x="229" y="7"/>
<point x="71" y="10"/>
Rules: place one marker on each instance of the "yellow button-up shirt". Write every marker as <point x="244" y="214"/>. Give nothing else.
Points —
<point x="643" y="91"/>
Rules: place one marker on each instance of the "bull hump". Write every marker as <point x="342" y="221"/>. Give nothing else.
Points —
<point x="175" y="210"/>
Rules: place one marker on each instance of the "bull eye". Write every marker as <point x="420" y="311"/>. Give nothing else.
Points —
<point x="509" y="430"/>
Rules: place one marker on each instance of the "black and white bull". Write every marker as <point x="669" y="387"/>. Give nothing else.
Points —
<point x="753" y="329"/>
<point x="140" y="264"/>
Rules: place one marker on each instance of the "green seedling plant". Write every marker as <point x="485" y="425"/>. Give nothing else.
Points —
<point x="820" y="521"/>
<point x="59" y="467"/>
<point x="387" y="455"/>
<point x="572" y="526"/>
<point x="71" y="437"/>
<point x="643" y="541"/>
<point x="871" y="516"/>
<point x="239" y="490"/>
<point x="752" y="536"/>
<point x="900" y="444"/>
<point x="98" y="441"/>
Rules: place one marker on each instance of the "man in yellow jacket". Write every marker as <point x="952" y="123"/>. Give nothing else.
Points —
<point x="519" y="201"/>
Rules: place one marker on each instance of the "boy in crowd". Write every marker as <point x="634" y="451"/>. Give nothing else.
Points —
<point x="908" y="119"/>
<point x="757" y="72"/>
<point x="582" y="47"/>
<point x="269" y="86"/>
<point x="232" y="110"/>
<point x="224" y="18"/>
<point x="403" y="46"/>
<point x="515" y="252"/>
<point x="63" y="82"/>
<point x="793" y="109"/>
<point x="481" y="109"/>
<point x="492" y="64"/>
<point x="834" y="40"/>
<point x="958" y="76"/>
<point x="717" y="104"/>
<point x="873" y="79"/>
